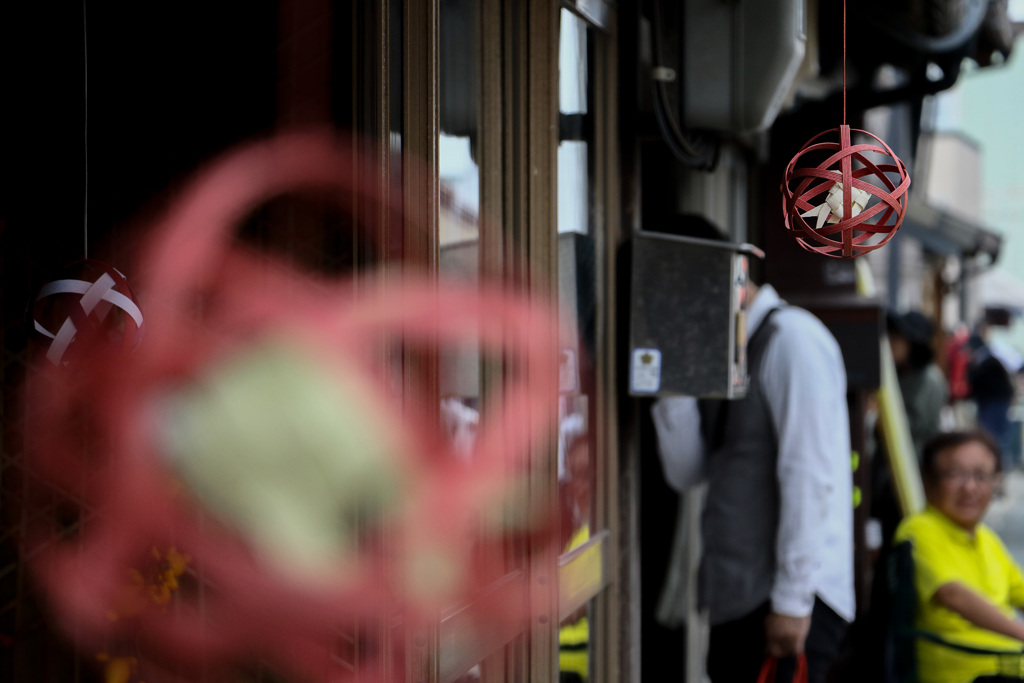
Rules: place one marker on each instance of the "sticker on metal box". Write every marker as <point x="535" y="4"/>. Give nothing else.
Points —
<point x="645" y="371"/>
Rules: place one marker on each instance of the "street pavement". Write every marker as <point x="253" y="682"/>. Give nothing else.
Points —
<point x="1006" y="514"/>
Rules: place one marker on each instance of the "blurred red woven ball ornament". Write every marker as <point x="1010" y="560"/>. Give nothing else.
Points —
<point x="257" y="432"/>
<point x="87" y="295"/>
<point x="842" y="199"/>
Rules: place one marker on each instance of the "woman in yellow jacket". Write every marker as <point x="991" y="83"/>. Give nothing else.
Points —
<point x="968" y="584"/>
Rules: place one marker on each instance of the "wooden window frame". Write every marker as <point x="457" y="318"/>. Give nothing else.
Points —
<point x="517" y="158"/>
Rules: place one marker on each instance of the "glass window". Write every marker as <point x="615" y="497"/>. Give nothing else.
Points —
<point x="577" y="287"/>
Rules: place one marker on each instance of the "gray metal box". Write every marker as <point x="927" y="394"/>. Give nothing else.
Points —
<point x="688" y="333"/>
<point x="740" y="60"/>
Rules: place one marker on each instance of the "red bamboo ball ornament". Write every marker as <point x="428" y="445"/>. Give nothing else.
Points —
<point x="88" y="297"/>
<point x="851" y="202"/>
<point x="174" y="427"/>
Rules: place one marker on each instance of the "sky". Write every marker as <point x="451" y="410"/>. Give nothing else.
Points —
<point x="986" y="104"/>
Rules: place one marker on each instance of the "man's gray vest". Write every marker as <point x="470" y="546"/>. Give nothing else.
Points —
<point x="741" y="513"/>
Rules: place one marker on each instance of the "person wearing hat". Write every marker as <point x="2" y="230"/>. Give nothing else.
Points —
<point x="922" y="384"/>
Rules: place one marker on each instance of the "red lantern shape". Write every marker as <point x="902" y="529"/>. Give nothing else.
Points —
<point x="88" y="296"/>
<point x="845" y="222"/>
<point x="828" y="207"/>
<point x="208" y="302"/>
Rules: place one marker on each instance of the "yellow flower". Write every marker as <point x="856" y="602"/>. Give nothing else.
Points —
<point x="118" y="669"/>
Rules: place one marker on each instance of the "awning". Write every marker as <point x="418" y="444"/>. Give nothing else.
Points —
<point x="1000" y="289"/>
<point x="949" y="234"/>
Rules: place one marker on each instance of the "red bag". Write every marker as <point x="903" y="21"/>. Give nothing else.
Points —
<point x="767" y="674"/>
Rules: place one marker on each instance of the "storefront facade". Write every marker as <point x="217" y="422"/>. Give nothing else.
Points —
<point x="527" y="141"/>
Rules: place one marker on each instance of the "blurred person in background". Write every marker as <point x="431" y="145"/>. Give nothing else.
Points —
<point x="575" y="482"/>
<point x="992" y="390"/>
<point x="923" y="386"/>
<point x="776" y="572"/>
<point x="958" y="358"/>
<point x="968" y="585"/>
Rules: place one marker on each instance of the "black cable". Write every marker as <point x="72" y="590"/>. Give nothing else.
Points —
<point x="701" y="153"/>
<point x="697" y="151"/>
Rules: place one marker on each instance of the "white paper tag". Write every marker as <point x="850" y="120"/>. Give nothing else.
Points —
<point x="568" y="372"/>
<point x="645" y="371"/>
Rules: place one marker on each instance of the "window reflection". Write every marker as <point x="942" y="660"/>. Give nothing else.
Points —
<point x="576" y="277"/>
<point x="459" y="230"/>
<point x="459" y="201"/>
<point x="574" y="475"/>
<point x="577" y="306"/>
<point x="574" y="128"/>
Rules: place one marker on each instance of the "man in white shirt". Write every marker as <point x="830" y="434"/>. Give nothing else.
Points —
<point x="777" y="530"/>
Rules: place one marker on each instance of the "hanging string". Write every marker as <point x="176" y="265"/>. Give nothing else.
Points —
<point x="844" y="62"/>
<point x="85" y="133"/>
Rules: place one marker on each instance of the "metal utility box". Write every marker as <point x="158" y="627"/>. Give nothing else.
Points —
<point x="688" y="333"/>
<point x="740" y="61"/>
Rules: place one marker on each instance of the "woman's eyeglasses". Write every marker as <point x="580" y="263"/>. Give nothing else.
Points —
<point x="961" y="477"/>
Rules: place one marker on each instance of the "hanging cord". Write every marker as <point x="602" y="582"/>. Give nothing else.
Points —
<point x="700" y="152"/>
<point x="85" y="132"/>
<point x="844" y="62"/>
